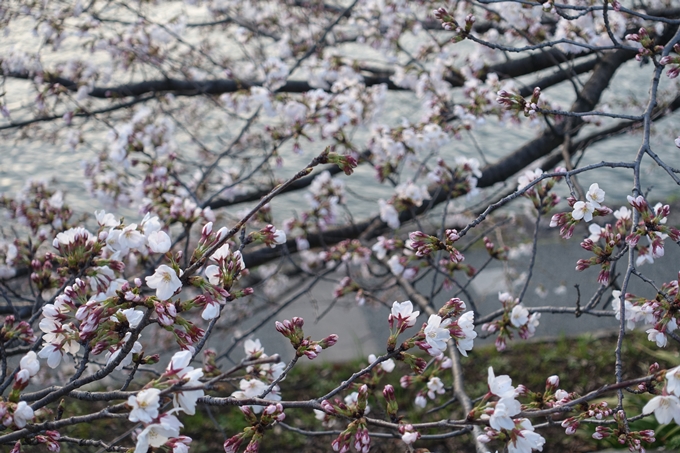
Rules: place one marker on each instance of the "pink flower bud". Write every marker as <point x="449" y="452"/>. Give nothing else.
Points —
<point x="439" y="13"/>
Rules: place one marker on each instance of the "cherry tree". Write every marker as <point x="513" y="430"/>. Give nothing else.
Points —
<point x="231" y="146"/>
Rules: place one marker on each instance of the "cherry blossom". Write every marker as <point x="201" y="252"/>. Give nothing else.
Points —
<point x="467" y="326"/>
<point x="186" y="399"/>
<point x="387" y="366"/>
<point x="526" y="439"/>
<point x="127" y="360"/>
<point x="504" y="409"/>
<point x="30" y="363"/>
<point x="528" y="177"/>
<point x="595" y="232"/>
<point x="105" y="219"/>
<point x="623" y="213"/>
<point x="389" y="214"/>
<point x="134" y="317"/>
<point x="436" y="333"/>
<point x="396" y="267"/>
<point x="179" y="363"/>
<point x="658" y="337"/>
<point x="131" y="238"/>
<point x="664" y="407"/>
<point x="402" y="313"/>
<point x="164" y="281"/>
<point x="22" y="414"/>
<point x="159" y="241"/>
<point x="252" y="388"/>
<point x="144" y="405"/>
<point x="595" y="195"/>
<point x="420" y="400"/>
<point x="353" y="398"/>
<point x="52" y="353"/>
<point x="673" y="380"/>
<point x="211" y="310"/>
<point x="291" y="79"/>
<point x="408" y="434"/>
<point x="583" y="210"/>
<point x="519" y="316"/>
<point x="157" y="434"/>
<point x="500" y="385"/>
<point x="435" y="386"/>
<point x="213" y="274"/>
<point x="71" y="236"/>
<point x="253" y="348"/>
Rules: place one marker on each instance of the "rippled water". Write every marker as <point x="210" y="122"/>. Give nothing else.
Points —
<point x="30" y="157"/>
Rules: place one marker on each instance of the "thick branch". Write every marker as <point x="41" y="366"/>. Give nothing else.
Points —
<point x="491" y="174"/>
<point x="513" y="68"/>
<point x="551" y="138"/>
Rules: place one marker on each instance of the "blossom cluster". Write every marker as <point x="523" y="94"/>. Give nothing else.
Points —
<point x="517" y="433"/>
<point x="193" y="123"/>
<point x="515" y="317"/>
<point x="164" y="428"/>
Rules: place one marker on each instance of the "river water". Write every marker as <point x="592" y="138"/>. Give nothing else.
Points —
<point x="23" y="157"/>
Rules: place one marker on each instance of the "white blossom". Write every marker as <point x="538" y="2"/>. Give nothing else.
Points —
<point x="387" y="365"/>
<point x="164" y="281"/>
<point x="134" y="317"/>
<point x="665" y="408"/>
<point x="519" y="315"/>
<point x="623" y="213"/>
<point x="157" y="434"/>
<point x="70" y="236"/>
<point x="673" y="381"/>
<point x="595" y="195"/>
<point x="150" y="224"/>
<point x="131" y="238"/>
<point x="211" y="311"/>
<point x="279" y="238"/>
<point x="159" y="241"/>
<point x="466" y="324"/>
<point x="253" y="347"/>
<point x="389" y="214"/>
<point x="179" y="362"/>
<point x="112" y="356"/>
<point x="595" y="232"/>
<point x="144" y="405"/>
<point x="252" y="388"/>
<point x="500" y="385"/>
<point x="658" y="337"/>
<point x="186" y="399"/>
<point x="409" y="437"/>
<point x="528" y="177"/>
<point x="30" y="363"/>
<point x="527" y="440"/>
<point x="434" y="386"/>
<point x="503" y="412"/>
<point x="436" y="332"/>
<point x="106" y="219"/>
<point x="52" y="353"/>
<point x="353" y="398"/>
<point x="583" y="210"/>
<point x="403" y="312"/>
<point x="395" y="265"/>
<point x="22" y="414"/>
<point x="213" y="274"/>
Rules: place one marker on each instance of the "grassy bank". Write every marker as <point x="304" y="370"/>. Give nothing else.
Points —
<point x="583" y="364"/>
